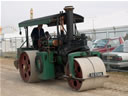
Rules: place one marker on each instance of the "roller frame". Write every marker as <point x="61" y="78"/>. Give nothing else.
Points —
<point x="88" y="65"/>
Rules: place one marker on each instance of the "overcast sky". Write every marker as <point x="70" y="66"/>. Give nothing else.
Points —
<point x="104" y="14"/>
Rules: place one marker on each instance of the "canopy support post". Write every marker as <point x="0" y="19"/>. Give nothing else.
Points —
<point x="27" y="38"/>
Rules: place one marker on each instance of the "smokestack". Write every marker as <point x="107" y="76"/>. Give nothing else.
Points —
<point x="69" y="21"/>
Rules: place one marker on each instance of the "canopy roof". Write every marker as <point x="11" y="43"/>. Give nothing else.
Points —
<point x="50" y="20"/>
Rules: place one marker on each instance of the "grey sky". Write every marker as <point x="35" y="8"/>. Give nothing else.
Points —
<point x="104" y="13"/>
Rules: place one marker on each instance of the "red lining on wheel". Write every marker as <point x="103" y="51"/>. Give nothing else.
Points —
<point x="75" y="84"/>
<point x="25" y="67"/>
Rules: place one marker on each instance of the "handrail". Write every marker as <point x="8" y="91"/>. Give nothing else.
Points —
<point x="23" y="44"/>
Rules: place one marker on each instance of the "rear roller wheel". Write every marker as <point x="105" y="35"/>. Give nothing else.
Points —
<point x="27" y="66"/>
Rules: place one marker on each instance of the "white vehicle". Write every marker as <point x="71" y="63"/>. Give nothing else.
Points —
<point x="126" y="46"/>
<point x="116" y="59"/>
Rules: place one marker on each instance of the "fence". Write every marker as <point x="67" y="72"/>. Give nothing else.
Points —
<point x="108" y="32"/>
<point x="11" y="44"/>
<point x="8" y="45"/>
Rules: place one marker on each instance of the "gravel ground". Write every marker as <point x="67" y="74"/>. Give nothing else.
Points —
<point x="12" y="85"/>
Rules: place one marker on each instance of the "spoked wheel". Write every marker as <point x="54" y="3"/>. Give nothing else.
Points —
<point x="75" y="84"/>
<point x="27" y="66"/>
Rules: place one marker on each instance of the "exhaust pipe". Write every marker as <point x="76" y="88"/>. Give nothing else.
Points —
<point x="69" y="22"/>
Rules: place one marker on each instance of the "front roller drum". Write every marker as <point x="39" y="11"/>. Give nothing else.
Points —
<point x="83" y="67"/>
<point x="27" y="66"/>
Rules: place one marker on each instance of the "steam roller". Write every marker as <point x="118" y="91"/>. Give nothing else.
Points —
<point x="64" y="55"/>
